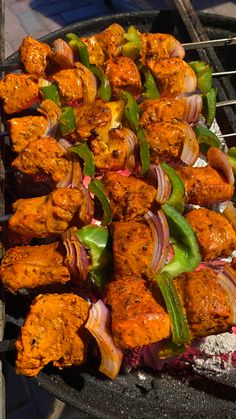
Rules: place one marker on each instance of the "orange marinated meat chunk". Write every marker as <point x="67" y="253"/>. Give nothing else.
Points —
<point x="123" y="74"/>
<point x="204" y="185"/>
<point x="137" y="318"/>
<point x="18" y="92"/>
<point x="44" y="155"/>
<point x="53" y="332"/>
<point x="34" y="56"/>
<point x="25" y="129"/>
<point x="159" y="45"/>
<point x="33" y="266"/>
<point x="129" y="196"/>
<point x="49" y="215"/>
<point x="206" y="303"/>
<point x="132" y="249"/>
<point x="215" y="233"/>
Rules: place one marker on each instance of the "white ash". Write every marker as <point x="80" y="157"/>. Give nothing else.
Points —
<point x="212" y="347"/>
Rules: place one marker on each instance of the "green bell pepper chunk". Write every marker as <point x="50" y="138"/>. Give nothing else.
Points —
<point x="104" y="90"/>
<point x="67" y="120"/>
<point x="133" y="47"/>
<point x="150" y="89"/>
<point x="187" y="254"/>
<point x="77" y="45"/>
<point x="209" y="106"/>
<point x="179" y="323"/>
<point x="206" y="138"/>
<point x="132" y="115"/>
<point x="169" y="349"/>
<point x="232" y="158"/>
<point x="51" y="92"/>
<point x="97" y="188"/>
<point x="177" y="197"/>
<point x="86" y="155"/>
<point x="203" y="72"/>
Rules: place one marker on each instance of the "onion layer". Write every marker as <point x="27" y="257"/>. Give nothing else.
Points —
<point x="230" y="213"/>
<point x="63" y="54"/>
<point x="161" y="182"/>
<point x="227" y="279"/>
<point x="99" y="325"/>
<point x="220" y="161"/>
<point x="160" y="232"/>
<point x="52" y="112"/>
<point x="89" y="83"/>
<point x="74" y="177"/>
<point x="76" y="256"/>
<point x="131" y="140"/>
<point x="190" y="150"/>
<point x="193" y="108"/>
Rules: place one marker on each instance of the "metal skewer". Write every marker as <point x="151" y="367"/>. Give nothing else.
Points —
<point x="226" y="103"/>
<point x="211" y="43"/>
<point x="224" y="73"/>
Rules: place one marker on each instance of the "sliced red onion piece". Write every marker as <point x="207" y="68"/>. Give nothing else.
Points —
<point x="190" y="80"/>
<point x="177" y="50"/>
<point x="161" y="244"/>
<point x="230" y="213"/>
<point x="89" y="83"/>
<point x="99" y="325"/>
<point x="131" y="140"/>
<point x="161" y="182"/>
<point x="220" y="161"/>
<point x="52" y="113"/>
<point x="227" y="279"/>
<point x="63" y="54"/>
<point x="64" y="143"/>
<point x="76" y="256"/>
<point x="190" y="150"/>
<point x="43" y="82"/>
<point x="74" y="177"/>
<point x="88" y="209"/>
<point x="193" y="108"/>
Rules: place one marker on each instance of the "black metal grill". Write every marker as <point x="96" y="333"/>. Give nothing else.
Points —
<point x="144" y="394"/>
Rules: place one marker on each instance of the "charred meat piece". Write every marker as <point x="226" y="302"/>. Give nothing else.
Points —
<point x="117" y="153"/>
<point x="204" y="185"/>
<point x="129" y="197"/>
<point x="215" y="233"/>
<point x="173" y="76"/>
<point x="159" y="45"/>
<point x="76" y="84"/>
<point x="53" y="331"/>
<point x="92" y="119"/>
<point x="106" y="44"/>
<point x="123" y="74"/>
<point x="132" y="249"/>
<point x="34" y="56"/>
<point x="168" y="109"/>
<point x="137" y="318"/>
<point x="25" y="129"/>
<point x="206" y="303"/>
<point x="50" y="215"/>
<point x="33" y="266"/>
<point x="166" y="140"/>
<point x="44" y="155"/>
<point x="18" y="92"/>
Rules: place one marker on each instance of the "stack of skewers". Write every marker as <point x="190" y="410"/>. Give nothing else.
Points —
<point x="118" y="243"/>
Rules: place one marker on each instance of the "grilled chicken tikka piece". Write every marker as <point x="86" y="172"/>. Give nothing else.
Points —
<point x="129" y="196"/>
<point x="33" y="266"/>
<point x="132" y="249"/>
<point x="166" y="140"/>
<point x="44" y="155"/>
<point x="25" y="129"/>
<point x="18" y="92"/>
<point x="53" y="331"/>
<point x="34" y="56"/>
<point x="204" y="185"/>
<point x="215" y="233"/>
<point x="123" y="74"/>
<point x="169" y="109"/>
<point x="206" y="303"/>
<point x="50" y="215"/>
<point x="76" y="85"/>
<point x="137" y="318"/>
<point x="104" y="45"/>
<point x="173" y="76"/>
<point x="159" y="45"/>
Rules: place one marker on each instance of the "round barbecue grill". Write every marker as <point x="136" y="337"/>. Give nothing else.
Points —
<point x="142" y="393"/>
